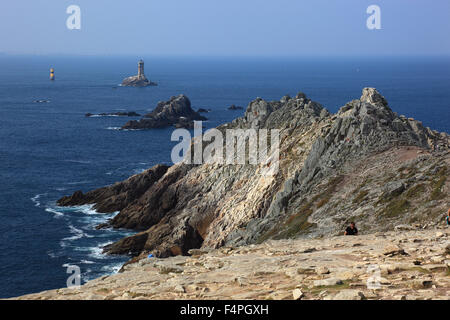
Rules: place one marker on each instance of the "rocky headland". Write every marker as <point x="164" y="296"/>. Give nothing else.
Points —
<point x="366" y="163"/>
<point x="175" y="112"/>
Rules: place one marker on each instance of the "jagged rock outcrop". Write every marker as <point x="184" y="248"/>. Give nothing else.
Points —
<point x="175" y="112"/>
<point x="364" y="163"/>
<point x="119" y="195"/>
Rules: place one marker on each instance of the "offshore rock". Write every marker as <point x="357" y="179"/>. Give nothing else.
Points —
<point x="175" y="112"/>
<point x="137" y="81"/>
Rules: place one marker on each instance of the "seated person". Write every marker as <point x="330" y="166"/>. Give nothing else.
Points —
<point x="351" y="230"/>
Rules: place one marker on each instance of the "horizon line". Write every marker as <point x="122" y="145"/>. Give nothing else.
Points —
<point x="160" y="55"/>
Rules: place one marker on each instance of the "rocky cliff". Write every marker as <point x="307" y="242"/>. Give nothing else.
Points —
<point x="365" y="164"/>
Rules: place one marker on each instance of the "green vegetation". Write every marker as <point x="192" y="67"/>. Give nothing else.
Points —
<point x="305" y="271"/>
<point x="296" y="223"/>
<point x="323" y="202"/>
<point x="324" y="197"/>
<point x="415" y="191"/>
<point x="408" y="172"/>
<point x="361" y="197"/>
<point x="365" y="183"/>
<point x="421" y="270"/>
<point x="395" y="208"/>
<point x="337" y="287"/>
<point x="437" y="184"/>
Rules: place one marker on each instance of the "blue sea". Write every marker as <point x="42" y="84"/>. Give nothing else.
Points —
<point x="48" y="150"/>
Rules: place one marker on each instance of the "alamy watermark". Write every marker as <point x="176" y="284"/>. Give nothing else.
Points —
<point x="73" y="22"/>
<point x="241" y="146"/>
<point x="374" y="281"/>
<point x="374" y="20"/>
<point x="74" y="280"/>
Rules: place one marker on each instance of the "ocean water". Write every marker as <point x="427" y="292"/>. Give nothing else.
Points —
<point x="48" y="150"/>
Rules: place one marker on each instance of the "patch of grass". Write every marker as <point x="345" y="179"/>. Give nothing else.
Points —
<point x="337" y="287"/>
<point x="365" y="183"/>
<point x="415" y="191"/>
<point x="326" y="195"/>
<point x="437" y="184"/>
<point x="421" y="270"/>
<point x="409" y="172"/>
<point x="287" y="229"/>
<point x="296" y="223"/>
<point x="395" y="208"/>
<point x="361" y="197"/>
<point x="323" y="202"/>
<point x="103" y="290"/>
<point x="305" y="271"/>
<point x="136" y="294"/>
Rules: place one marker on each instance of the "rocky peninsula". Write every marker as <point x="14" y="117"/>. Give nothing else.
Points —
<point x="366" y="163"/>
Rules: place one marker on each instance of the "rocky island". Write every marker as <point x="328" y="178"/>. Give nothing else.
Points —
<point x="175" y="112"/>
<point x="229" y="232"/>
<point x="140" y="80"/>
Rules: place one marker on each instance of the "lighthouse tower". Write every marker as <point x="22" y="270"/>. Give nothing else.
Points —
<point x="141" y="69"/>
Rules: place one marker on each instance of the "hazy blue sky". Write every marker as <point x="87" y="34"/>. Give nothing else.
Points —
<point x="227" y="27"/>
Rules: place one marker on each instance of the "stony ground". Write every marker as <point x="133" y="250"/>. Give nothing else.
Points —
<point x="413" y="264"/>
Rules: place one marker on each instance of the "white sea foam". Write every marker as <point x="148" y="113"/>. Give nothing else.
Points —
<point x="53" y="254"/>
<point x="132" y="129"/>
<point x="86" y="209"/>
<point x="55" y="212"/>
<point x="77" y="234"/>
<point x="78" y="161"/>
<point x="113" y="128"/>
<point x="112" y="268"/>
<point x="77" y="182"/>
<point x="35" y="199"/>
<point x="97" y="251"/>
<point x="87" y="262"/>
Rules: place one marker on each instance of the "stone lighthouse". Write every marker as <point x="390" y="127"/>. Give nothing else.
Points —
<point x="141" y="74"/>
<point x="140" y="80"/>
